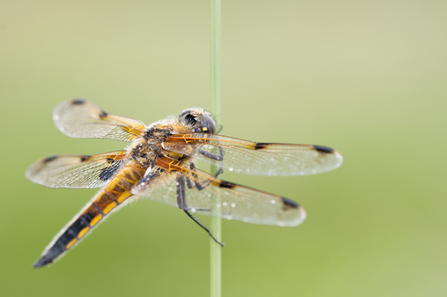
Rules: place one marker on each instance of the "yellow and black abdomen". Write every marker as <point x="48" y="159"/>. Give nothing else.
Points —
<point x="108" y="199"/>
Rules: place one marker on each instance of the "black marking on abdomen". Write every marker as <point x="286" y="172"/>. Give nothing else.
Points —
<point x="290" y="203"/>
<point x="57" y="249"/>
<point x="79" y="224"/>
<point x="225" y="184"/>
<point x="78" y="101"/>
<point x="323" y="149"/>
<point x="88" y="217"/>
<point x="59" y="246"/>
<point x="49" y="159"/>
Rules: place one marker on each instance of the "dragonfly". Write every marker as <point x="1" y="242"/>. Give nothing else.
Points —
<point x="160" y="164"/>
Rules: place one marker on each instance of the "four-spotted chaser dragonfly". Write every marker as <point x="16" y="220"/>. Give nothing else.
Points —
<point x="160" y="165"/>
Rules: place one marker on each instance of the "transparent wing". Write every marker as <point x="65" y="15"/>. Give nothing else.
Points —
<point x="79" y="118"/>
<point x="236" y="202"/>
<point x="74" y="172"/>
<point x="255" y="158"/>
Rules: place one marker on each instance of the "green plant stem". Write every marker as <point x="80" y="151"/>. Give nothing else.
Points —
<point x="215" y="227"/>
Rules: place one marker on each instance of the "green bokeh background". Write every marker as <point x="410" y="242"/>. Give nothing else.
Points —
<point x="368" y="78"/>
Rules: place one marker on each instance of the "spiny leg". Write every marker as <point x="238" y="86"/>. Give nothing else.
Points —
<point x="198" y="185"/>
<point x="181" y="201"/>
<point x="220" y="129"/>
<point x="189" y="183"/>
<point x="204" y="228"/>
<point x="211" y="155"/>
<point x="181" y="192"/>
<point x="214" y="157"/>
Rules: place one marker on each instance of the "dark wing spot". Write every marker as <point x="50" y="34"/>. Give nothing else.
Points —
<point x="109" y="171"/>
<point x="85" y="158"/>
<point x="78" y="101"/>
<point x="323" y="149"/>
<point x="289" y="203"/>
<point x="49" y="159"/>
<point x="103" y="114"/>
<point x="260" y="145"/>
<point x="225" y="184"/>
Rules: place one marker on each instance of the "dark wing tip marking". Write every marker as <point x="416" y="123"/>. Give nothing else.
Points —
<point x="103" y="114"/>
<point x="225" y="184"/>
<point x="49" y="159"/>
<point x="289" y="203"/>
<point x="323" y="149"/>
<point x="260" y="145"/>
<point x="85" y="158"/>
<point x="78" y="101"/>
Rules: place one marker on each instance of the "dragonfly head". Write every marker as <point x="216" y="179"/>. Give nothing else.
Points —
<point x="199" y="120"/>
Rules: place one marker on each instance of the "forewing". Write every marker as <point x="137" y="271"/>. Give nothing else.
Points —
<point x="255" y="158"/>
<point x="79" y="118"/>
<point x="74" y="171"/>
<point x="234" y="202"/>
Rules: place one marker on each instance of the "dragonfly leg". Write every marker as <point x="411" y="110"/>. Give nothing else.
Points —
<point x="214" y="157"/>
<point x="181" y="192"/>
<point x="197" y="184"/>
<point x="189" y="183"/>
<point x="211" y="155"/>
<point x="220" y="129"/>
<point x="181" y="201"/>
<point x="219" y="172"/>
<point x="203" y="227"/>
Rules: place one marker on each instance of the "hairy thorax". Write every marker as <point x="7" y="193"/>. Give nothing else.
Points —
<point x="148" y="148"/>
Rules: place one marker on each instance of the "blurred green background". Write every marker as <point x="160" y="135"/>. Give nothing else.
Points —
<point x="368" y="78"/>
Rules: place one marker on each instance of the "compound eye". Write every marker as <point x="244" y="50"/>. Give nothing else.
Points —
<point x="190" y="119"/>
<point x="208" y="124"/>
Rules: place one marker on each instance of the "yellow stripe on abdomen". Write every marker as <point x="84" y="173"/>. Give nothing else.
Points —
<point x="114" y="194"/>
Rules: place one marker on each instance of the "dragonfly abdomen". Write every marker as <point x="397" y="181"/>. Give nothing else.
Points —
<point x="109" y="198"/>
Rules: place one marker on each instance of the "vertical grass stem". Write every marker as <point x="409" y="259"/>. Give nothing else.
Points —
<point x="215" y="249"/>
